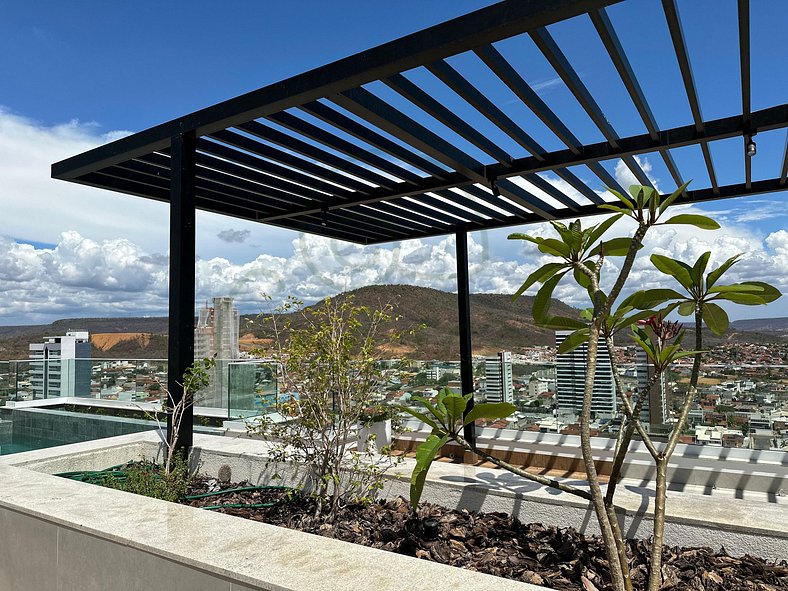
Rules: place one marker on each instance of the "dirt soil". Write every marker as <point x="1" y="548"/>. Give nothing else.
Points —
<point x="497" y="544"/>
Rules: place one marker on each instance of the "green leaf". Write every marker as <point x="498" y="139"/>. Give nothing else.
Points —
<point x="573" y="341"/>
<point x="541" y="275"/>
<point x="769" y="293"/>
<point x="714" y="275"/>
<point x="542" y="299"/>
<point x="616" y="247"/>
<point x="434" y="411"/>
<point x="615" y="208"/>
<point x="652" y="297"/>
<point x="425" y="454"/>
<point x="748" y="288"/>
<point x="455" y="406"/>
<point x="699" y="221"/>
<point x="419" y="415"/>
<point x="699" y="268"/>
<point x="687" y="308"/>
<point x="596" y="232"/>
<point x="622" y="198"/>
<point x="672" y="197"/>
<point x="681" y="272"/>
<point x="582" y="279"/>
<point x="489" y="410"/>
<point x="561" y="323"/>
<point x="554" y="247"/>
<point x="715" y="318"/>
<point x="633" y="319"/>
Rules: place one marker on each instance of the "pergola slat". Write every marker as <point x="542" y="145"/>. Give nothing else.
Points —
<point x="241" y="142"/>
<point x="680" y="48"/>
<point x="293" y="144"/>
<point x="376" y="111"/>
<point x="434" y="108"/>
<point x="315" y="133"/>
<point x="549" y="48"/>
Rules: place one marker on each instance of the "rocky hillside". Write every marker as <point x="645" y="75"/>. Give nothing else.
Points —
<point x="497" y="323"/>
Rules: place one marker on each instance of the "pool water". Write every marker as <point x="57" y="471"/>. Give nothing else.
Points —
<point x="20" y="443"/>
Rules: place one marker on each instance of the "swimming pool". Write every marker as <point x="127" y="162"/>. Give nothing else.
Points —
<point x="21" y="443"/>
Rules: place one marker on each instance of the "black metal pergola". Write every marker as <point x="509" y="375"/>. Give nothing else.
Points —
<point x="324" y="153"/>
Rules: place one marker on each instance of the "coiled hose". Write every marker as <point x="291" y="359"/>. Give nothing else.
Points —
<point x="119" y="473"/>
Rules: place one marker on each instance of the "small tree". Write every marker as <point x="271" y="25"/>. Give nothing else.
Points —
<point x="195" y="378"/>
<point x="580" y="253"/>
<point x="328" y="359"/>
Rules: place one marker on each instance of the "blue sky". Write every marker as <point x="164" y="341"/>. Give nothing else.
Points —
<point x="80" y="73"/>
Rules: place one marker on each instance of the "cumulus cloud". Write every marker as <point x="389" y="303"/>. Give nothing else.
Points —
<point x="233" y="235"/>
<point x="85" y="277"/>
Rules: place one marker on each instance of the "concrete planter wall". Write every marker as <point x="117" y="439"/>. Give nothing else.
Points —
<point x="65" y="535"/>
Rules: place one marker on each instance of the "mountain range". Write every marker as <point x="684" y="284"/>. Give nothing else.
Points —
<point x="497" y="324"/>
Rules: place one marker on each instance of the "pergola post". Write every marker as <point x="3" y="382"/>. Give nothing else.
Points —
<point x="180" y="349"/>
<point x="464" y="324"/>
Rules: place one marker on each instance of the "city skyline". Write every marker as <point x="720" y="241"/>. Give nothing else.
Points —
<point x="91" y="253"/>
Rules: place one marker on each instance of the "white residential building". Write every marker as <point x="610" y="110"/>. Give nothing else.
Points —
<point x="654" y="411"/>
<point x="499" y="383"/>
<point x="216" y="336"/>
<point x="60" y="366"/>
<point x="570" y="370"/>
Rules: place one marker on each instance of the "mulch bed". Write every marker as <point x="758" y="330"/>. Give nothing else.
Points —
<point x="500" y="545"/>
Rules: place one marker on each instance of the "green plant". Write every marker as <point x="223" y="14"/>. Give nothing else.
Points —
<point x="580" y="254"/>
<point x="329" y="367"/>
<point x="151" y="480"/>
<point x="195" y="378"/>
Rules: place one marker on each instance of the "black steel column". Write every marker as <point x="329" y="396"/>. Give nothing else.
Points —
<point x="464" y="309"/>
<point x="182" y="254"/>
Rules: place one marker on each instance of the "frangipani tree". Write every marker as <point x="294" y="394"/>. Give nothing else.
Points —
<point x="579" y="254"/>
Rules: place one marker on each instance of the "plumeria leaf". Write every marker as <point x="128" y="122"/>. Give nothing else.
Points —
<point x="615" y="208"/>
<point x="668" y="201"/>
<point x="680" y="271"/>
<point x="542" y="300"/>
<point x="598" y="231"/>
<point x="420" y="416"/>
<point x="573" y="341"/>
<point x="622" y="198"/>
<point x="541" y="275"/>
<point x="699" y="221"/>
<point x="560" y="323"/>
<point x="425" y="454"/>
<point x="687" y="308"/>
<point x="652" y="297"/>
<point x="714" y="275"/>
<point x="616" y="247"/>
<point x="489" y="410"/>
<point x="769" y="293"/>
<point x="699" y="268"/>
<point x="715" y="318"/>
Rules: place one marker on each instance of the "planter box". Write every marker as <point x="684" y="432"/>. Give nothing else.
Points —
<point x="65" y="535"/>
<point x="59" y="534"/>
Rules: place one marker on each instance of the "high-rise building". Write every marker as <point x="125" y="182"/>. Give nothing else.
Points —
<point x="499" y="385"/>
<point x="655" y="409"/>
<point x="60" y="366"/>
<point x="571" y="370"/>
<point x="216" y="336"/>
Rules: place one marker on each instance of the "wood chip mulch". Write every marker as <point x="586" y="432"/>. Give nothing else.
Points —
<point x="500" y="545"/>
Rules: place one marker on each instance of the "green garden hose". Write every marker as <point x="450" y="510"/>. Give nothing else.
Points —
<point x="118" y="473"/>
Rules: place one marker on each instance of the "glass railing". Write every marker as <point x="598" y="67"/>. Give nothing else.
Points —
<point x="738" y="404"/>
<point x="237" y="388"/>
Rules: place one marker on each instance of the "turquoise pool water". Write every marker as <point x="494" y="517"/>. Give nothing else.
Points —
<point x="20" y="444"/>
